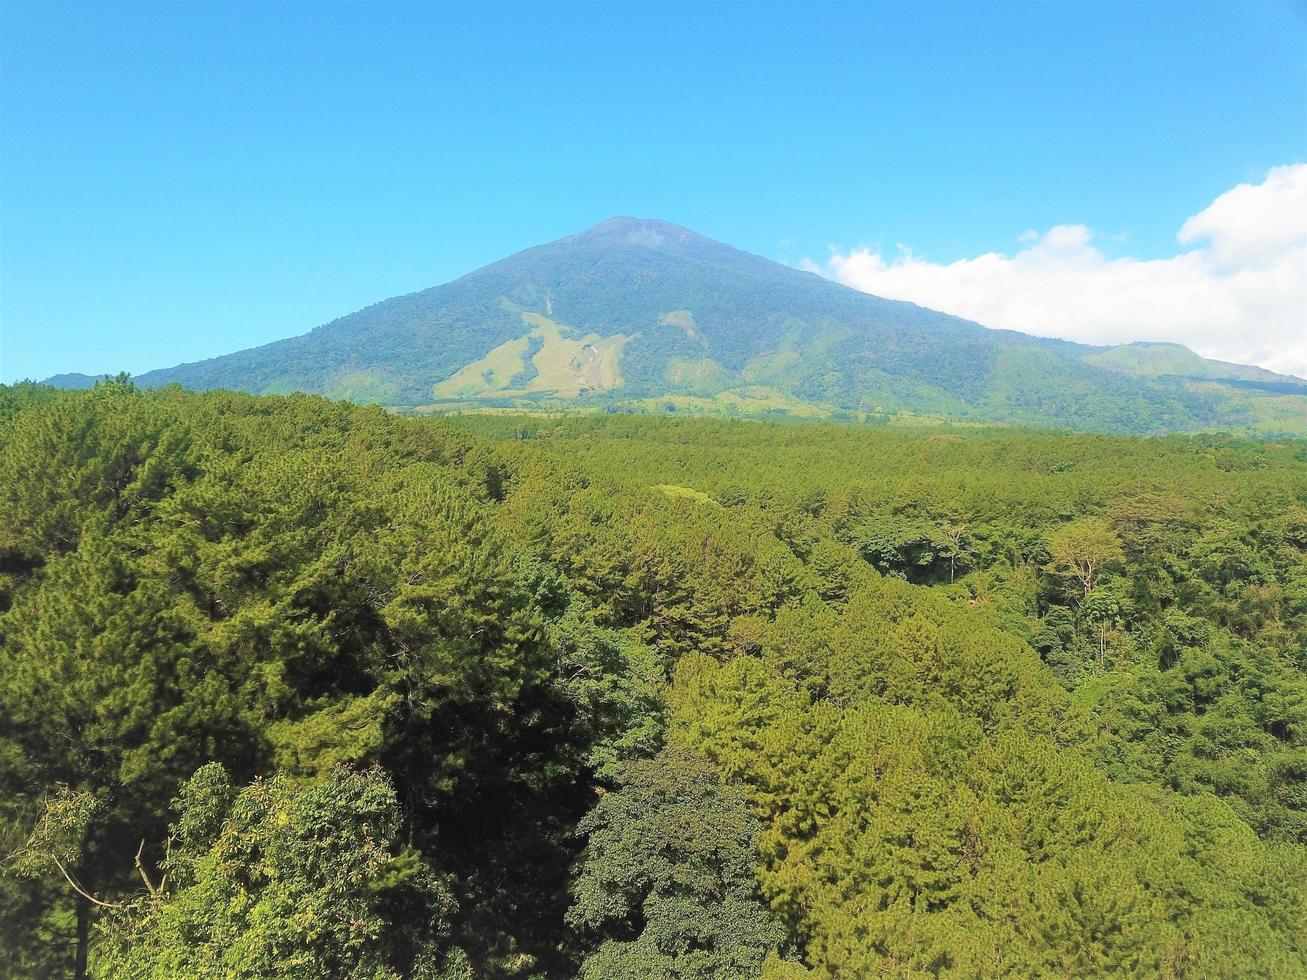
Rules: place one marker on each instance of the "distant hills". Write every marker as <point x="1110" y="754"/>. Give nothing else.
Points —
<point x="644" y="315"/>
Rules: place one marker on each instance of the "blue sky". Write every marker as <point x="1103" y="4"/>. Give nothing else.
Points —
<point x="183" y="180"/>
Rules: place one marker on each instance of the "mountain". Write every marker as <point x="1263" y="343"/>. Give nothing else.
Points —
<point x="74" y="381"/>
<point x="646" y="315"/>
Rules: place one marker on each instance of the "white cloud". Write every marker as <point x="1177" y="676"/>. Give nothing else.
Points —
<point x="1239" y="293"/>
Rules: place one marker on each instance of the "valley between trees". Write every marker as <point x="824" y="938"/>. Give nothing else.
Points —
<point x="296" y="688"/>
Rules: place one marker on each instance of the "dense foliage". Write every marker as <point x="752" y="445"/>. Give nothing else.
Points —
<point x="281" y="880"/>
<point x="666" y="882"/>
<point x="290" y="687"/>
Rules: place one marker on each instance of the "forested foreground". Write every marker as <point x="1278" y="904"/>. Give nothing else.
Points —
<point x="292" y="688"/>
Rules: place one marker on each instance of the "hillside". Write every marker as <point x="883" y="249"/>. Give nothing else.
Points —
<point x="646" y="315"/>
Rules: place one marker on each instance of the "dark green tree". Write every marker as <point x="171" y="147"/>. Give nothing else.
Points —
<point x="666" y="884"/>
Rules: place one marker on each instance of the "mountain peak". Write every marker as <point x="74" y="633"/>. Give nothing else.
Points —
<point x="645" y="232"/>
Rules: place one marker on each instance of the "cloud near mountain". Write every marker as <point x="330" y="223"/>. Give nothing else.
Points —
<point x="1237" y="293"/>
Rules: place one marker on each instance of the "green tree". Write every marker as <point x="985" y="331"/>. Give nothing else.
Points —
<point x="1101" y="608"/>
<point x="285" y="880"/>
<point x="666" y="884"/>
<point x="1079" y="551"/>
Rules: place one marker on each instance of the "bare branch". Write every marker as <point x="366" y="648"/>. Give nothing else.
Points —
<point x="82" y="891"/>
<point x="149" y="885"/>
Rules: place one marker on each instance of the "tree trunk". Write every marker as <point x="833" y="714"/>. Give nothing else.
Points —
<point x="83" y="937"/>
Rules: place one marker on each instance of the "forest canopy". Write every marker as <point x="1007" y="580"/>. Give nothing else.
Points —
<point x="291" y="687"/>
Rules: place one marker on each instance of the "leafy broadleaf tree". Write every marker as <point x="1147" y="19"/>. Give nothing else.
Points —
<point x="283" y="880"/>
<point x="1082" y="549"/>
<point x="666" y="884"/>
